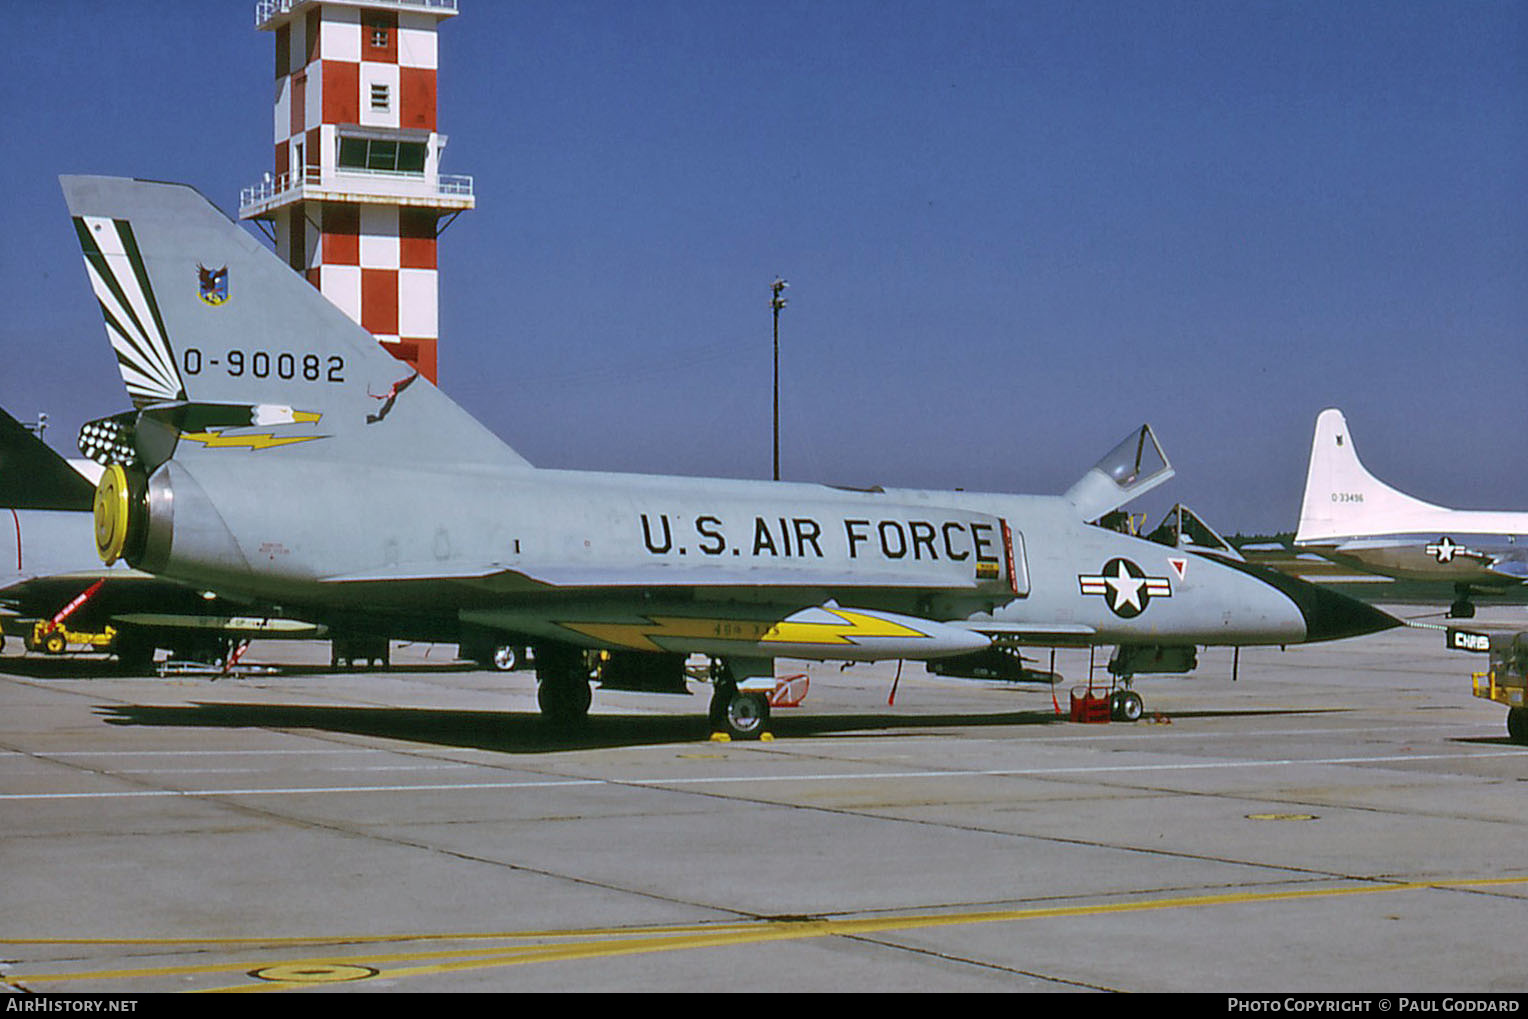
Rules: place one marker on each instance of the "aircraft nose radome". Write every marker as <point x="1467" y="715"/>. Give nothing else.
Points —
<point x="1328" y="615"/>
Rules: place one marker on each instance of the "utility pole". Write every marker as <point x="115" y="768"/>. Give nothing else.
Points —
<point x="777" y="302"/>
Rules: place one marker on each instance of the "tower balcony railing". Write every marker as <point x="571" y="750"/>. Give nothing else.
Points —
<point x="356" y="183"/>
<point x="265" y="10"/>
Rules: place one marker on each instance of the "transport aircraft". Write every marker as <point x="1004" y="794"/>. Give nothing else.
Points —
<point x="1351" y="517"/>
<point x="277" y="452"/>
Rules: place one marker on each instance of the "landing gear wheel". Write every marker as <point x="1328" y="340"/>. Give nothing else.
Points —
<point x="740" y="715"/>
<point x="1127" y="706"/>
<point x="1517" y="725"/>
<point x="562" y="684"/>
<point x="1461" y="610"/>
<point x="506" y="658"/>
<point x="135" y="655"/>
<point x="564" y="702"/>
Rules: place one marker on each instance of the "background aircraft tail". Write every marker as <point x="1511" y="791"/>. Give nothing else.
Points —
<point x="217" y="336"/>
<point x="33" y="477"/>
<point x="1342" y="499"/>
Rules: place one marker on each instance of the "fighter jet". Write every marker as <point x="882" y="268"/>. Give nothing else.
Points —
<point x="1351" y="517"/>
<point x="56" y="596"/>
<point x="278" y="452"/>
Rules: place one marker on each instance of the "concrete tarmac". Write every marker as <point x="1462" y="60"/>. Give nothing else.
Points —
<point x="1342" y="818"/>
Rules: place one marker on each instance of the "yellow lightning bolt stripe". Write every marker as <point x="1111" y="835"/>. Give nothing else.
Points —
<point x="858" y="625"/>
<point x="855" y="627"/>
<point x="265" y="440"/>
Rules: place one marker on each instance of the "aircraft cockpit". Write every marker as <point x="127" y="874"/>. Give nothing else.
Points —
<point x="1132" y="468"/>
<point x="1183" y="528"/>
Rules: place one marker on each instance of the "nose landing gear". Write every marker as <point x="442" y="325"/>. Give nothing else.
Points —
<point x="1126" y="706"/>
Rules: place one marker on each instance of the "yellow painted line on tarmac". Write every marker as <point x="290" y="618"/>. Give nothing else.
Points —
<point x="170" y="971"/>
<point x="613" y="942"/>
<point x="362" y="939"/>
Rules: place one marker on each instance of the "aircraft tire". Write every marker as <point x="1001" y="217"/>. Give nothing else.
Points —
<point x="1128" y="706"/>
<point x="718" y="709"/>
<point x="564" y="701"/>
<point x="135" y="655"/>
<point x="746" y="715"/>
<point x="138" y="663"/>
<point x="1517" y="724"/>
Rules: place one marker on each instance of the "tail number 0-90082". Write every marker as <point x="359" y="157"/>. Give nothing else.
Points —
<point x="262" y="364"/>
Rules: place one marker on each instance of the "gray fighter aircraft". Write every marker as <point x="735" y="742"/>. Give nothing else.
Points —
<point x="1351" y="517"/>
<point x="279" y="452"/>
<point x="56" y="596"/>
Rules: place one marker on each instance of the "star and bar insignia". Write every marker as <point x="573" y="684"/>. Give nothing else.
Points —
<point x="1445" y="548"/>
<point x="1125" y="587"/>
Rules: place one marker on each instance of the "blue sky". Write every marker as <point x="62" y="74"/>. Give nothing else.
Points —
<point x="1013" y="231"/>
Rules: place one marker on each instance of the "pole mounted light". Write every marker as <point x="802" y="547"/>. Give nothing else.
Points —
<point x="776" y="303"/>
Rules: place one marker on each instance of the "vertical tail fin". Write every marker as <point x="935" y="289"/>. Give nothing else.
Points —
<point x="1342" y="499"/>
<point x="33" y="477"/>
<point x="203" y="318"/>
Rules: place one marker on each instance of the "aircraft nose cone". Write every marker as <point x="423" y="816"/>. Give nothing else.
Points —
<point x="1332" y="616"/>
<point x="1328" y="615"/>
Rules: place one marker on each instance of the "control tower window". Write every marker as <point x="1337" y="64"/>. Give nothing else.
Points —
<point x="379" y="36"/>
<point x="377" y="154"/>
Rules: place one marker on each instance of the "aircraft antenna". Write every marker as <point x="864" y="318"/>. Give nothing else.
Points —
<point x="777" y="302"/>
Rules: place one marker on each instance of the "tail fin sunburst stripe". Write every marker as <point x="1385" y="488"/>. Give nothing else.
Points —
<point x="133" y="322"/>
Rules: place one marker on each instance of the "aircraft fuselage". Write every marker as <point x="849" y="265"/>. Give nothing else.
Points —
<point x="519" y="540"/>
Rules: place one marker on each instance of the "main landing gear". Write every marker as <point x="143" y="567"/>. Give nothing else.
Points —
<point x="1462" y="608"/>
<point x="741" y="689"/>
<point x="562" y="684"/>
<point x="740" y="697"/>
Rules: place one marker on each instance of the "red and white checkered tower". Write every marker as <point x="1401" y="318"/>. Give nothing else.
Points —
<point x="356" y="198"/>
